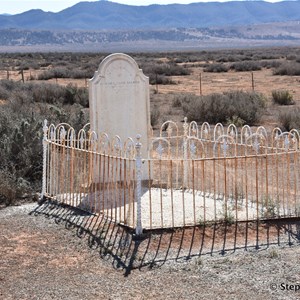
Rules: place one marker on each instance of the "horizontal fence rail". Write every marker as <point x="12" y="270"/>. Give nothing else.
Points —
<point x="196" y="174"/>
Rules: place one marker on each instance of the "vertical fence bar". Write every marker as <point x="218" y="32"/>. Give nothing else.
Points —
<point x="125" y="188"/>
<point x="288" y="180"/>
<point x="48" y="165"/>
<point x="246" y="188"/>
<point x="62" y="164"/>
<point x="161" y="194"/>
<point x="138" y="164"/>
<point x="214" y="189"/>
<point x="182" y="190"/>
<point x="204" y="191"/>
<point x="225" y="189"/>
<point x="256" y="186"/>
<point x="149" y="187"/>
<point x="120" y="186"/>
<point x="236" y="188"/>
<point x="185" y="154"/>
<point x="133" y="190"/>
<point x="45" y="150"/>
<point x="71" y="170"/>
<point x="295" y="181"/>
<point x="171" y="186"/>
<point x="107" y="185"/>
<point x="267" y="183"/>
<point x="193" y="187"/>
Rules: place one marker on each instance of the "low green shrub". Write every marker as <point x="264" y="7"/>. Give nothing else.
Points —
<point x="155" y="114"/>
<point x="244" y="66"/>
<point x="177" y="101"/>
<point x="167" y="69"/>
<point x="282" y="97"/>
<point x="288" y="68"/>
<point x="246" y="107"/>
<point x="42" y="92"/>
<point x="21" y="120"/>
<point x="270" y="64"/>
<point x="290" y="119"/>
<point x="160" y="79"/>
<point x="21" y="155"/>
<point x="158" y="72"/>
<point x="64" y="72"/>
<point x="7" y="188"/>
<point x="216" y="68"/>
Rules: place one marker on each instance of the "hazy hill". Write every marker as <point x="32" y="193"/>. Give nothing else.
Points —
<point x="110" y="15"/>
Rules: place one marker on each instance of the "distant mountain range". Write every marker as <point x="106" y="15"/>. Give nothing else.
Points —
<point x="109" y="15"/>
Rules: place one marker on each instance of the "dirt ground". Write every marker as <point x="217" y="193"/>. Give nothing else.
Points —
<point x="54" y="252"/>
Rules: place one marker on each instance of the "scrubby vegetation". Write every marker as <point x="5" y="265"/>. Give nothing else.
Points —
<point x="158" y="72"/>
<point x="245" y="66"/>
<point x="288" y="68"/>
<point x="154" y="116"/>
<point x="282" y="97"/>
<point x="62" y="72"/>
<point x="247" y="107"/>
<point x="216" y="68"/>
<point x="290" y="119"/>
<point x="21" y="118"/>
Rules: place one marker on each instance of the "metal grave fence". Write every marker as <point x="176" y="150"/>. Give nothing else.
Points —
<point x="196" y="174"/>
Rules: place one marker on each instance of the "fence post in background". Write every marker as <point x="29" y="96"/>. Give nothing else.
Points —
<point x="252" y="81"/>
<point x="200" y="84"/>
<point x="22" y="75"/>
<point x="45" y="151"/>
<point x="138" y="164"/>
<point x="7" y="74"/>
<point x="185" y="166"/>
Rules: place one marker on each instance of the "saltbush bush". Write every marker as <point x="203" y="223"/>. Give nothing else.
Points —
<point x="158" y="71"/>
<point x="64" y="72"/>
<point x="19" y="94"/>
<point x="270" y="64"/>
<point x="215" y="68"/>
<point x="21" y="120"/>
<point x="282" y="97"/>
<point x="288" y="68"/>
<point x="154" y="116"/>
<point x="244" y="66"/>
<point x="290" y="119"/>
<point x="247" y="107"/>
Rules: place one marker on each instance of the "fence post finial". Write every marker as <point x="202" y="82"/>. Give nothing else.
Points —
<point x="185" y="126"/>
<point x="45" y="150"/>
<point x="138" y="163"/>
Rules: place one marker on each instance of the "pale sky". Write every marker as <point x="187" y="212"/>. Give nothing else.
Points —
<point x="17" y="6"/>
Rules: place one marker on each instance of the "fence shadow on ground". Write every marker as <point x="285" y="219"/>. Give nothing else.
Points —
<point x="119" y="245"/>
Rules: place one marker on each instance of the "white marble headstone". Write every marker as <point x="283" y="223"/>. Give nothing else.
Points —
<point x="119" y="100"/>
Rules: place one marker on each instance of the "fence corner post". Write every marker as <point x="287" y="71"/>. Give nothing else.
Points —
<point x="138" y="164"/>
<point x="45" y="150"/>
<point x="185" y="136"/>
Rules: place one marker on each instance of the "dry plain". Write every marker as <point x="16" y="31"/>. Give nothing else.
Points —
<point x="52" y="252"/>
<point x="261" y="81"/>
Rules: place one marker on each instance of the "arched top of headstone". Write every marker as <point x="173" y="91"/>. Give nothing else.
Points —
<point x="123" y="63"/>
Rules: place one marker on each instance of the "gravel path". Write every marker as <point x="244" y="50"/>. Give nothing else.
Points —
<point x="53" y="252"/>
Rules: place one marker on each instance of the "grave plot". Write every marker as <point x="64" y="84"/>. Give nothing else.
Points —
<point x="188" y="175"/>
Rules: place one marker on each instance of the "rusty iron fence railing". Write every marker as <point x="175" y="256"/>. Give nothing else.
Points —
<point x="196" y="174"/>
<point x="94" y="174"/>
